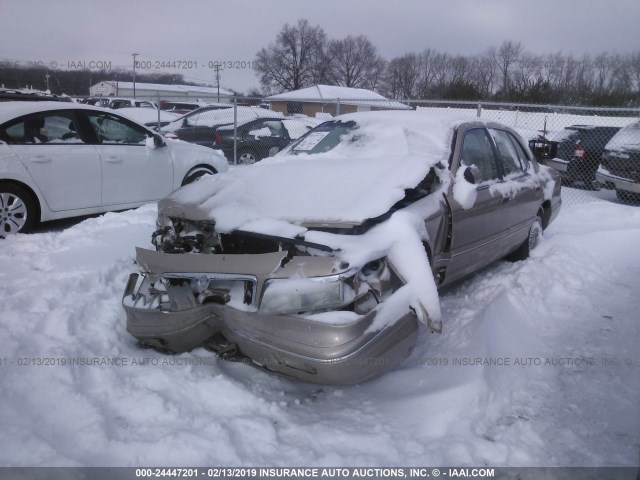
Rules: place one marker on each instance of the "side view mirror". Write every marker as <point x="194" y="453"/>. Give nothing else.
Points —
<point x="158" y="141"/>
<point x="273" y="151"/>
<point x="472" y="175"/>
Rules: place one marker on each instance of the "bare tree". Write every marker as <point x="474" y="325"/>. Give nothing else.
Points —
<point x="354" y="62"/>
<point x="506" y="55"/>
<point x="528" y="75"/>
<point x="296" y="59"/>
<point x="427" y="73"/>
<point x="553" y="69"/>
<point x="633" y="62"/>
<point x="402" y="76"/>
<point x="484" y="72"/>
<point x="604" y="66"/>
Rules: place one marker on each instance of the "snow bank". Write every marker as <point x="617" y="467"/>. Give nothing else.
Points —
<point x="78" y="391"/>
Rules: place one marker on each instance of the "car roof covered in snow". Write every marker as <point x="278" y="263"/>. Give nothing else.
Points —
<point x="10" y="110"/>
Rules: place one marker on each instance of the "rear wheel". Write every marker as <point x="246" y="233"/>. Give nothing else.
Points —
<point x="523" y="251"/>
<point x="17" y="210"/>
<point x="196" y="174"/>
<point x="247" y="157"/>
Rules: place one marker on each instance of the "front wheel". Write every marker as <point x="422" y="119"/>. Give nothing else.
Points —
<point x="17" y="210"/>
<point x="523" y="251"/>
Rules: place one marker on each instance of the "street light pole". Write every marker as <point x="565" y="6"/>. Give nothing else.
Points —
<point x="47" y="77"/>
<point x="134" y="55"/>
<point x="217" y="68"/>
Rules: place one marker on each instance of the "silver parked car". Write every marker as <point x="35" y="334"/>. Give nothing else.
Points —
<point x="61" y="160"/>
<point x="321" y="262"/>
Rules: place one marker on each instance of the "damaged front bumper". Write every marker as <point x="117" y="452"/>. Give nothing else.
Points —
<point x="181" y="302"/>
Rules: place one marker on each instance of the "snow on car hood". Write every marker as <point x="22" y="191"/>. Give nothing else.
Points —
<point x="188" y="153"/>
<point x="357" y="180"/>
<point x="299" y="191"/>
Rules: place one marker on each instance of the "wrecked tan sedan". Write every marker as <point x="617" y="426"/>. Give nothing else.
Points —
<point x="320" y="263"/>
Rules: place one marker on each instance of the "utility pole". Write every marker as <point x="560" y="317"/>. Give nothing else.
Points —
<point x="47" y="77"/>
<point x="217" y="69"/>
<point x="134" y="55"/>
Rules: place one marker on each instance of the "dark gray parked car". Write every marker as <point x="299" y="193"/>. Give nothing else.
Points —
<point x="321" y="262"/>
<point x="620" y="167"/>
<point x="574" y="152"/>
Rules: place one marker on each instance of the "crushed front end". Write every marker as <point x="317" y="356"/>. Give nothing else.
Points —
<point x="284" y="305"/>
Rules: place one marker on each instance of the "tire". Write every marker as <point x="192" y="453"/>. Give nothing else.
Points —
<point x="247" y="157"/>
<point x="17" y="210"/>
<point x="196" y="174"/>
<point x="628" y="198"/>
<point x="523" y="251"/>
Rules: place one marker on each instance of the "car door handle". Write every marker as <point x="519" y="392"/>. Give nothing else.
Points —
<point x="114" y="159"/>
<point x="41" y="159"/>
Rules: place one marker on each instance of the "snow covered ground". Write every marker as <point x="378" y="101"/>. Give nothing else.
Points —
<point x="560" y="329"/>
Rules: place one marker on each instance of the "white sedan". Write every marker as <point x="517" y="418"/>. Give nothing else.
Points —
<point x="61" y="160"/>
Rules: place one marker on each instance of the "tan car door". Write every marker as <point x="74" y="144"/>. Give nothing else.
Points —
<point x="479" y="231"/>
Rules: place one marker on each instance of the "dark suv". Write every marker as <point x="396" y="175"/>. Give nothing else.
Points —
<point x="574" y="152"/>
<point x="620" y="167"/>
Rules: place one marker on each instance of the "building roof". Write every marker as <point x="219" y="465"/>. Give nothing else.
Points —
<point x="159" y="87"/>
<point x="332" y="93"/>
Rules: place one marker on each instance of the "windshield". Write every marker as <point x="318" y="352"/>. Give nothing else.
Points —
<point x="324" y="137"/>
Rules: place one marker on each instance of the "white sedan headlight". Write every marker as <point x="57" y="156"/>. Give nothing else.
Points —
<point x="302" y="295"/>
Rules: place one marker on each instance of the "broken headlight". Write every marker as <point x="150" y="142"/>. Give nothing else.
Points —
<point x="299" y="295"/>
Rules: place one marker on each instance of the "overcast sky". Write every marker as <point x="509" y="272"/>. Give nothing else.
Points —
<point x="65" y="31"/>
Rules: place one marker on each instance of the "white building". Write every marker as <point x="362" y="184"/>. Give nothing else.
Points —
<point x="331" y="99"/>
<point x="155" y="91"/>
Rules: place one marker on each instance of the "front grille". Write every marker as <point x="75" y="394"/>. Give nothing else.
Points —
<point x="238" y="243"/>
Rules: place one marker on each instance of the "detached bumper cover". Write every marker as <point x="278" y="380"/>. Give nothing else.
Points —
<point x="295" y="346"/>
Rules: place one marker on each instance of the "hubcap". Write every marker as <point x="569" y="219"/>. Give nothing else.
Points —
<point x="13" y="213"/>
<point x="247" y="159"/>
<point x="534" y="234"/>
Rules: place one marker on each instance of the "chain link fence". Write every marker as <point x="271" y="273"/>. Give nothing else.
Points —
<point x="578" y="142"/>
<point x="572" y="140"/>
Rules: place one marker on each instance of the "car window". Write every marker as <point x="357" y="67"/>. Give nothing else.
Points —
<point x="522" y="153"/>
<point x="275" y="127"/>
<point x="508" y="152"/>
<point x="325" y="137"/>
<point x="211" y="117"/>
<point x="49" y="128"/>
<point x="116" y="130"/>
<point x="477" y="150"/>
